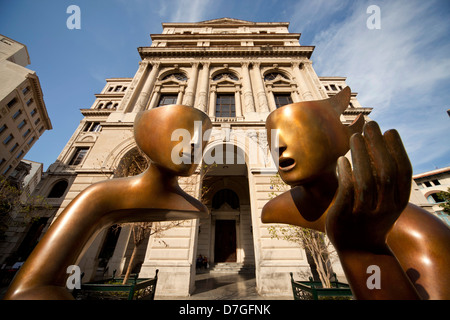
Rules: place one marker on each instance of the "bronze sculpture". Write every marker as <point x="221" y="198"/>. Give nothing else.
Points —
<point x="364" y="210"/>
<point x="153" y="195"/>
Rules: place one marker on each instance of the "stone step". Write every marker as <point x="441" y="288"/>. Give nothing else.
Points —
<point x="231" y="267"/>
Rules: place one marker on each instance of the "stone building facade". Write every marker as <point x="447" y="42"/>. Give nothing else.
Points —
<point x="23" y="115"/>
<point x="237" y="72"/>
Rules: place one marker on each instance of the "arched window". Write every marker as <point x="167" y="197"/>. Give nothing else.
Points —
<point x="225" y="75"/>
<point x="225" y="195"/>
<point x="435" y="198"/>
<point x="178" y="76"/>
<point x="273" y="75"/>
<point x="58" y="189"/>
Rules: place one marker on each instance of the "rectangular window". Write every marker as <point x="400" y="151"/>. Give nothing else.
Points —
<point x="25" y="90"/>
<point x="26" y="133"/>
<point x="37" y="121"/>
<point x="8" y="139"/>
<point x="92" y="127"/>
<point x="17" y="114"/>
<point x="7" y="170"/>
<point x="12" y="102"/>
<point x="333" y="87"/>
<point x="436" y="182"/>
<point x="31" y="141"/>
<point x="225" y="105"/>
<point x="118" y="88"/>
<point x="22" y="124"/>
<point x="33" y="112"/>
<point x="78" y="156"/>
<point x="427" y="184"/>
<point x="167" y="99"/>
<point x="282" y="99"/>
<point x="14" y="148"/>
<point x="20" y="154"/>
<point x="3" y="128"/>
<point x="30" y="101"/>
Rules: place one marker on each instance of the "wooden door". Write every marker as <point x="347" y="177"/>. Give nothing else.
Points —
<point x="225" y="241"/>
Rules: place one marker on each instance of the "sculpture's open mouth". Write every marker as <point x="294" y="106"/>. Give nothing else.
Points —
<point x="286" y="164"/>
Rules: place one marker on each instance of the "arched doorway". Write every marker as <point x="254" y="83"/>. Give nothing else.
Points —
<point x="226" y="236"/>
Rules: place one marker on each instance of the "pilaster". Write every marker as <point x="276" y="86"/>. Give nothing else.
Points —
<point x="249" y="104"/>
<point x="189" y="96"/>
<point x="263" y="105"/>
<point x="202" y="98"/>
<point x="144" y="97"/>
<point x="305" y="92"/>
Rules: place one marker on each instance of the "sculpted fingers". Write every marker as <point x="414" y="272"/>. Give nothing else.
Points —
<point x="404" y="169"/>
<point x="365" y="187"/>
<point x="342" y="207"/>
<point x="383" y="163"/>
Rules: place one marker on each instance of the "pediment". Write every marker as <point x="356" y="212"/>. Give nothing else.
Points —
<point x="226" y="82"/>
<point x="226" y="21"/>
<point x="225" y="207"/>
<point x="170" y="83"/>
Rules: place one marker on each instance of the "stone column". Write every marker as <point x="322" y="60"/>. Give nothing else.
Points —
<point x="237" y="101"/>
<point x="271" y="100"/>
<point x="189" y="95"/>
<point x="132" y="92"/>
<point x="305" y="92"/>
<point x="203" y="87"/>
<point x="316" y="86"/>
<point x="212" y="102"/>
<point x="248" y="105"/>
<point x="180" y="96"/>
<point x="144" y="96"/>
<point x="260" y="92"/>
<point x="155" y="97"/>
<point x="295" y="95"/>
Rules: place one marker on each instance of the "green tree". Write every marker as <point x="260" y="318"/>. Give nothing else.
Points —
<point x="445" y="196"/>
<point x="13" y="210"/>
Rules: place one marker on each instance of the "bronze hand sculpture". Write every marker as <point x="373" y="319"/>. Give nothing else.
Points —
<point x="364" y="210"/>
<point x="153" y="195"/>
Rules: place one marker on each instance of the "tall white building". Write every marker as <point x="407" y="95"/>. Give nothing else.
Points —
<point x="237" y="72"/>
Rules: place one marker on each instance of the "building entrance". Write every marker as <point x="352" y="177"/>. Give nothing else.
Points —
<point x="225" y="241"/>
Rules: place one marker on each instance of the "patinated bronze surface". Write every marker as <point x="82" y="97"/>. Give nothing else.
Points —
<point x="153" y="195"/>
<point x="364" y="210"/>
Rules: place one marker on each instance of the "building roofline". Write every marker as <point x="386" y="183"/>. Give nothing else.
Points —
<point x="224" y="22"/>
<point x="431" y="173"/>
<point x="39" y="96"/>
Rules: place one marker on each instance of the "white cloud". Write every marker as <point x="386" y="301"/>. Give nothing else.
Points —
<point x="397" y="69"/>
<point x="188" y="10"/>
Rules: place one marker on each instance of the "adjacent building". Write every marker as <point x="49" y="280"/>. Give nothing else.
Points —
<point x="23" y="115"/>
<point x="430" y="184"/>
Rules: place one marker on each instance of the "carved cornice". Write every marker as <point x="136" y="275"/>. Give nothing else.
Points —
<point x="96" y="112"/>
<point x="270" y="51"/>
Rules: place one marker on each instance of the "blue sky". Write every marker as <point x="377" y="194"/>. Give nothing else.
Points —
<point x="401" y="70"/>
